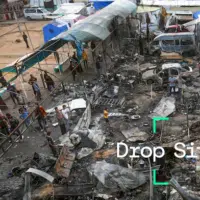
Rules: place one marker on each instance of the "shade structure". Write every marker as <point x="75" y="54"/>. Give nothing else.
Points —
<point x="96" y="25"/>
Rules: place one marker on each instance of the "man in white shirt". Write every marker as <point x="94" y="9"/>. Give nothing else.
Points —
<point x="65" y="114"/>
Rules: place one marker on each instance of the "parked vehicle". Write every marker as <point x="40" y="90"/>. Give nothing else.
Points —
<point x="183" y="43"/>
<point x="161" y="74"/>
<point x="176" y="29"/>
<point x="70" y="8"/>
<point x="179" y="17"/>
<point x="35" y="13"/>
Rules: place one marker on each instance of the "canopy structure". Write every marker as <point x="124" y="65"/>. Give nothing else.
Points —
<point x="146" y="9"/>
<point x="94" y="27"/>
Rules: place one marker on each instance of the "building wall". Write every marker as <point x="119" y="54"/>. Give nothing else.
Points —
<point x="7" y="9"/>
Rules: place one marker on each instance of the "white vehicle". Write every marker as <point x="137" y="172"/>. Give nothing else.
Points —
<point x="35" y="13"/>
<point x="70" y="8"/>
<point x="161" y="74"/>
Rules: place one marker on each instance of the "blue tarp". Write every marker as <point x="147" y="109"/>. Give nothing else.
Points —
<point x="98" y="5"/>
<point x="51" y="30"/>
<point x="196" y="15"/>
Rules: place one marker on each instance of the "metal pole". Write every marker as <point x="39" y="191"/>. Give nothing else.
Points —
<point x="34" y="50"/>
<point x="18" y="24"/>
<point x="188" y="129"/>
<point x="150" y="181"/>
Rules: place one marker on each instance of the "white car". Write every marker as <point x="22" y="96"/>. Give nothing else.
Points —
<point x="161" y="74"/>
<point x="35" y="13"/>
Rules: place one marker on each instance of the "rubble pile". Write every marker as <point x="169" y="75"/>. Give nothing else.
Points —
<point x="88" y="166"/>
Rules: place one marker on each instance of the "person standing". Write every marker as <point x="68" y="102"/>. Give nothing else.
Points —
<point x="74" y="57"/>
<point x="51" y="144"/>
<point x="21" y="97"/>
<point x="41" y="114"/>
<point x="31" y="81"/>
<point x="13" y="93"/>
<point x="105" y="115"/>
<point x="76" y="62"/>
<point x="14" y="122"/>
<point x="49" y="81"/>
<point x="93" y="46"/>
<point x="180" y="86"/>
<point x="85" y="59"/>
<point x="2" y="80"/>
<point x="98" y="66"/>
<point x="66" y="116"/>
<point x="172" y="84"/>
<point x="61" y="121"/>
<point x="24" y="116"/>
<point x="4" y="125"/>
<point x="37" y="91"/>
<point x="25" y="38"/>
<point x="73" y="70"/>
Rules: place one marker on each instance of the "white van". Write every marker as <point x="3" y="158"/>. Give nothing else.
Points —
<point x="182" y="43"/>
<point x="35" y="13"/>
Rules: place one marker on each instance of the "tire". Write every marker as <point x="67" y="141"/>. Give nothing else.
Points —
<point x="28" y="18"/>
<point x="150" y="81"/>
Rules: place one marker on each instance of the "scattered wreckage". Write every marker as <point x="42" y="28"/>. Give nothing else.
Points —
<point x="88" y="167"/>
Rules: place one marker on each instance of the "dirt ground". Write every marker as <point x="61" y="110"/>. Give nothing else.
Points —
<point x="10" y="50"/>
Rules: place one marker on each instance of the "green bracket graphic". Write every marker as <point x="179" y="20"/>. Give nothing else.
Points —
<point x="155" y="119"/>
<point x="154" y="179"/>
<point x="158" y="119"/>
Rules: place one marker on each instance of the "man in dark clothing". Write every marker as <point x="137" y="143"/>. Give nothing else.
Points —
<point x="4" y="125"/>
<point x="14" y="122"/>
<point x="25" y="38"/>
<point x="75" y="59"/>
<point x="2" y="80"/>
<point x="31" y="81"/>
<point x="49" y="81"/>
<point x="98" y="66"/>
<point x="13" y="93"/>
<point x="93" y="46"/>
<point x="73" y="70"/>
<point x="51" y="144"/>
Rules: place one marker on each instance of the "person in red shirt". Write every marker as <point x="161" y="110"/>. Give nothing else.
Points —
<point x="41" y="114"/>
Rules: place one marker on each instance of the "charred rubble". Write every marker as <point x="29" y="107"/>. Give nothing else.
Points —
<point x="88" y="167"/>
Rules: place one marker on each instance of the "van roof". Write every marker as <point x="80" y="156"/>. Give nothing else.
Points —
<point x="181" y="12"/>
<point x="171" y="65"/>
<point x="167" y="36"/>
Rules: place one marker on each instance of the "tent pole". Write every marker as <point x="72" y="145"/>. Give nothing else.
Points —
<point x="34" y="50"/>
